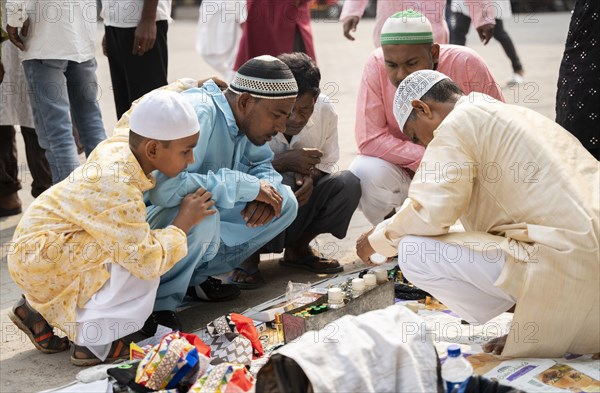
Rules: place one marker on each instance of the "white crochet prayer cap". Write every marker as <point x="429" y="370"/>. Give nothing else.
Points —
<point x="406" y="28"/>
<point x="265" y="77"/>
<point x="165" y="116"/>
<point x="413" y="87"/>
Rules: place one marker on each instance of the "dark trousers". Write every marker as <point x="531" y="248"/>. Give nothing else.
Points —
<point x="133" y="76"/>
<point x="36" y="161"/>
<point x="329" y="210"/>
<point x="461" y="27"/>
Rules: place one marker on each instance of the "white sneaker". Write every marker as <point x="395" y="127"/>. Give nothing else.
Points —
<point x="516" y="80"/>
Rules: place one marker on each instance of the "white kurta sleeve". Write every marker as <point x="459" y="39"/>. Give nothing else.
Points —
<point x="330" y="146"/>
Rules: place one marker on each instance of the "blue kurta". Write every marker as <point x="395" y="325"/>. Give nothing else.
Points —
<point x="226" y="163"/>
<point x="229" y="166"/>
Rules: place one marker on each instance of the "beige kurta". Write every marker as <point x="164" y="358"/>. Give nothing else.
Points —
<point x="515" y="178"/>
<point x="94" y="217"/>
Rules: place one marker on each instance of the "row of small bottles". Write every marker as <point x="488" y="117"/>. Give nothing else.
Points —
<point x="337" y="297"/>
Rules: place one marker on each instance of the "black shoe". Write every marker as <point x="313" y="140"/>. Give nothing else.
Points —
<point x="213" y="290"/>
<point x="166" y="318"/>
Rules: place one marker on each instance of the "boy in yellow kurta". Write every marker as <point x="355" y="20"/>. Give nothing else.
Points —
<point x="83" y="253"/>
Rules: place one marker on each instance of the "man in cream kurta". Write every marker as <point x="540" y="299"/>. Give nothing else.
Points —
<point x="527" y="193"/>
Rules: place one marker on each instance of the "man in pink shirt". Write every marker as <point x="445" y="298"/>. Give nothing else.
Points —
<point x="434" y="10"/>
<point x="387" y="158"/>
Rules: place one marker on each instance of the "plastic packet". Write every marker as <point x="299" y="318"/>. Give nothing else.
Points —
<point x="299" y="294"/>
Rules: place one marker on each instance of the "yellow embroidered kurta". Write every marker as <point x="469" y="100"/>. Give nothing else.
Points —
<point x="517" y="179"/>
<point x="94" y="217"/>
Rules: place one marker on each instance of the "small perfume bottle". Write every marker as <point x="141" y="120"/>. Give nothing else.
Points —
<point x="358" y="287"/>
<point x="370" y="281"/>
<point x="381" y="275"/>
<point x="335" y="298"/>
<point x="279" y="328"/>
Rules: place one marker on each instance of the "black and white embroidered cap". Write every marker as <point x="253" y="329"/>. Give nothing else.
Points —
<point x="265" y="77"/>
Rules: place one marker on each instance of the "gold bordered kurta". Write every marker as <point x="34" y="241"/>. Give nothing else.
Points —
<point x="94" y="217"/>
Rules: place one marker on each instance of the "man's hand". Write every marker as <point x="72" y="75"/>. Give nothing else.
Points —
<point x="145" y="37"/>
<point x="258" y="213"/>
<point x="364" y="249"/>
<point x="486" y="32"/>
<point x="13" y="34"/>
<point x="104" y="47"/>
<point x="303" y="193"/>
<point x="349" y="25"/>
<point x="1" y="71"/>
<point x="301" y="161"/>
<point x="193" y="209"/>
<point x="269" y="195"/>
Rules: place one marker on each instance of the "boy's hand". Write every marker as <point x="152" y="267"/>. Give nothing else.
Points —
<point x="269" y="195"/>
<point x="258" y="213"/>
<point x="193" y="209"/>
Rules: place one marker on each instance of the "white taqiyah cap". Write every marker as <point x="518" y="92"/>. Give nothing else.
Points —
<point x="165" y="116"/>
<point x="413" y="87"/>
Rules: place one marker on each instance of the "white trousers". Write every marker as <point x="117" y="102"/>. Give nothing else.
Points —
<point x="118" y="309"/>
<point x="384" y="186"/>
<point x="460" y="277"/>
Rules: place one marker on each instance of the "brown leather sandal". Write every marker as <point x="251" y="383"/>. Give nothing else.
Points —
<point x="45" y="341"/>
<point x="81" y="356"/>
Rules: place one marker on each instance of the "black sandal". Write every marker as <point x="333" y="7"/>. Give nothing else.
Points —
<point x="119" y="350"/>
<point x="45" y="341"/>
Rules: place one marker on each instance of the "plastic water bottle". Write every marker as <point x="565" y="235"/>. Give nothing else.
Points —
<point x="456" y="371"/>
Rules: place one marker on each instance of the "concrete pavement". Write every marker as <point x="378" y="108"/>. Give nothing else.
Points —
<point x="539" y="39"/>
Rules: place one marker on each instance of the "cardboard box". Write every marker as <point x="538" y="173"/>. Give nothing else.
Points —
<point x="377" y="298"/>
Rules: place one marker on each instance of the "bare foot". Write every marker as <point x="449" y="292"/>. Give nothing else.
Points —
<point x="495" y="345"/>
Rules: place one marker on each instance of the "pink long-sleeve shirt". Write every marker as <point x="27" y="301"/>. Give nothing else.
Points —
<point x="434" y="10"/>
<point x="376" y="130"/>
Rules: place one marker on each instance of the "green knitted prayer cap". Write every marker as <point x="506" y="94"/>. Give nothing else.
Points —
<point x="407" y="28"/>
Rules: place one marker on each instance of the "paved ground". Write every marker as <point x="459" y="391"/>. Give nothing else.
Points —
<point x="539" y="39"/>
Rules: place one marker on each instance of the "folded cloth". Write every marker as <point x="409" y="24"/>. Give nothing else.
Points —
<point x="225" y="377"/>
<point x="231" y="348"/>
<point x="172" y="362"/>
<point x="237" y="323"/>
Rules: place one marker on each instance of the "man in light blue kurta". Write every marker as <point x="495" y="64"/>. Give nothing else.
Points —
<point x="233" y="162"/>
